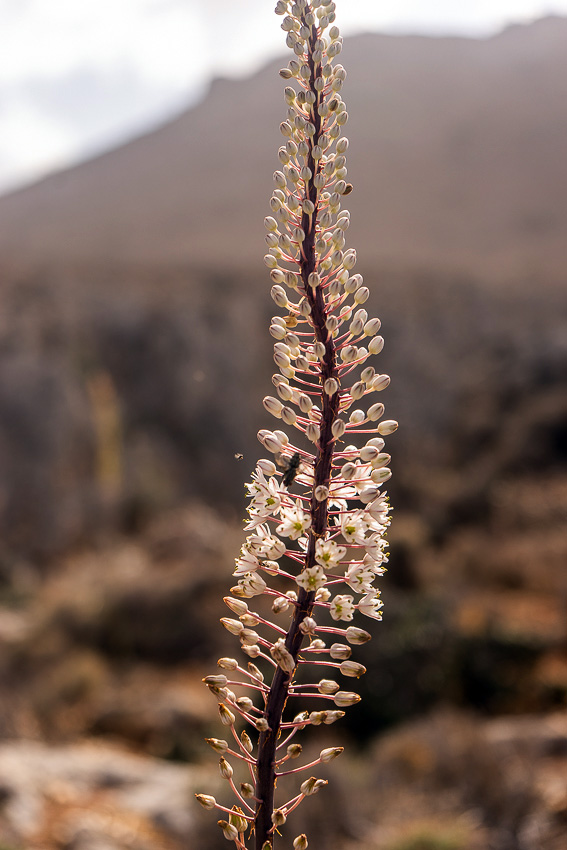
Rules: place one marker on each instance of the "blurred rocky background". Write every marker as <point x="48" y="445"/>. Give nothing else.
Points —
<point x="134" y="354"/>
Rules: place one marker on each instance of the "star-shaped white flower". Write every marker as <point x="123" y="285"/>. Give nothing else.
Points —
<point x="342" y="608"/>
<point x="311" y="579"/>
<point x="359" y="578"/>
<point x="295" y="522"/>
<point x="353" y="527"/>
<point x="328" y="554"/>
<point x="252" y="584"/>
<point x="370" y="606"/>
<point x="247" y="563"/>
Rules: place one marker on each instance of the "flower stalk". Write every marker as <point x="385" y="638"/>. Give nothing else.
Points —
<point x="317" y="513"/>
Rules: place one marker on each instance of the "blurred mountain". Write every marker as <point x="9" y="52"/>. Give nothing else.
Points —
<point x="133" y="341"/>
<point x="457" y="161"/>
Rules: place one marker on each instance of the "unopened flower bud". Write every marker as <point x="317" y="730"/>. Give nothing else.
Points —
<point x="228" y="663"/>
<point x="376" y="345"/>
<point x="246" y="789"/>
<point x="237" y="606"/>
<point x="360" y="297"/>
<point x="339" y="651"/>
<point x="312" y="432"/>
<point x="249" y="637"/>
<point x="317" y="717"/>
<point x="255" y="671"/>
<point x="206" y="801"/>
<point x="330" y="753"/>
<point x="372" y="327"/>
<point x="375" y="411"/>
<point x="387" y="427"/>
<point x="289" y="416"/>
<point x="357" y="390"/>
<point x="321" y="493"/>
<point x="238" y="820"/>
<point x="262" y="725"/>
<point x="278" y="817"/>
<point x="338" y="428"/>
<point x="219" y="681"/>
<point x="268" y="467"/>
<point x="300" y="843"/>
<point x="353" y="669"/>
<point x="294" y="750"/>
<point x="344" y="698"/>
<point x="280" y="604"/>
<point x="229" y="831"/>
<point x="252" y="651"/>
<point x="357" y="636"/>
<point x="327" y="686"/>
<point x="226" y="716"/>
<point x="331" y="386"/>
<point x="312" y="785"/>
<point x="225" y="768"/>
<point x="308" y="626"/>
<point x="380" y="382"/>
<point x="333" y="716"/>
<point x="380" y="475"/>
<point x="348" y="471"/>
<point x="246" y="741"/>
<point x="282" y="656"/>
<point x="235" y="627"/>
<point x="218" y="745"/>
<point x="278" y="295"/>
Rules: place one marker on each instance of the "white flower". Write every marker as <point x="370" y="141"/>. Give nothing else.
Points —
<point x="252" y="584"/>
<point x="378" y="509"/>
<point x="275" y="548"/>
<point x="361" y="476"/>
<point x="247" y="563"/>
<point x="295" y="522"/>
<point x="266" y="498"/>
<point x="375" y="564"/>
<point x="311" y="579"/>
<point x="370" y="606"/>
<point x="374" y="545"/>
<point x="342" y="608"/>
<point x="328" y="554"/>
<point x="353" y="527"/>
<point x="264" y="545"/>
<point x="359" y="578"/>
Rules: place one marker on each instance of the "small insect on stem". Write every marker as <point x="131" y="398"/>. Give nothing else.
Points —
<point x="291" y="465"/>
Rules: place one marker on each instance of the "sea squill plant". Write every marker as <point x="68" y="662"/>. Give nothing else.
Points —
<point x="317" y="513"/>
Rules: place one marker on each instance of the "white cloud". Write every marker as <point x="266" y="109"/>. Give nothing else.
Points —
<point x="31" y="143"/>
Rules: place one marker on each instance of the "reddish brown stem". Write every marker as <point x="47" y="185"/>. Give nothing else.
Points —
<point x="265" y="765"/>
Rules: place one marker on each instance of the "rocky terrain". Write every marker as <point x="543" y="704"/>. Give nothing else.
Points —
<point x="133" y="356"/>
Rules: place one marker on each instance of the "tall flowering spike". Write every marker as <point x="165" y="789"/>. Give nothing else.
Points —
<point x="317" y="512"/>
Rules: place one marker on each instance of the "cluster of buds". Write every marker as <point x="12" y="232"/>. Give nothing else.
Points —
<point x="317" y="512"/>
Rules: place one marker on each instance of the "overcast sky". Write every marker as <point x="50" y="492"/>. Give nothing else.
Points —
<point x="77" y="76"/>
